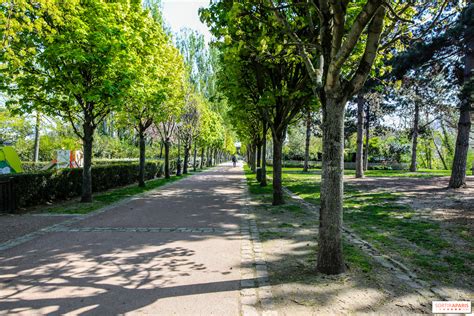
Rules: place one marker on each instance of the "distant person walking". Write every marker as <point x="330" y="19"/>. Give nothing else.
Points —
<point x="234" y="160"/>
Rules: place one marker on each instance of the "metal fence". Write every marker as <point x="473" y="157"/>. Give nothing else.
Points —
<point x="7" y="195"/>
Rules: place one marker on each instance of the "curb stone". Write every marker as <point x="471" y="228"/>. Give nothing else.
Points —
<point x="256" y="297"/>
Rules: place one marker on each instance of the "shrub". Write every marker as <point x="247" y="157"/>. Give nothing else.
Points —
<point x="40" y="187"/>
<point x="30" y="166"/>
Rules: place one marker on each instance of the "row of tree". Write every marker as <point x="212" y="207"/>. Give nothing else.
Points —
<point x="286" y="59"/>
<point x="89" y="62"/>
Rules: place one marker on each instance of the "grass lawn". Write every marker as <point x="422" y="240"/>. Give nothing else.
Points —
<point x="436" y="254"/>
<point x="293" y="215"/>
<point x="103" y="199"/>
<point x="421" y="173"/>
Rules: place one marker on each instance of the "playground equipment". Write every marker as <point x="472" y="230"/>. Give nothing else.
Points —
<point x="67" y="159"/>
<point x="9" y="161"/>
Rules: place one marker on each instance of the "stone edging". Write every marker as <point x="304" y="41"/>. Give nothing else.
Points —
<point x="400" y="271"/>
<point x="200" y="230"/>
<point x="63" y="225"/>
<point x="255" y="295"/>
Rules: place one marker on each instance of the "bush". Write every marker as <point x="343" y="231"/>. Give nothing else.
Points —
<point x="40" y="187"/>
<point x="30" y="166"/>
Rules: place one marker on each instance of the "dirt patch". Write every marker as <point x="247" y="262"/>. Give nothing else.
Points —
<point x="299" y="290"/>
<point x="429" y="197"/>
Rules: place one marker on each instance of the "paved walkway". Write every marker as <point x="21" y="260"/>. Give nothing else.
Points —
<point x="173" y="251"/>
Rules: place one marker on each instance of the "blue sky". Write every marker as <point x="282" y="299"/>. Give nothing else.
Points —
<point x="184" y="13"/>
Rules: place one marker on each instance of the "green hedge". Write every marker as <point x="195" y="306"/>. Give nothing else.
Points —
<point x="40" y="187"/>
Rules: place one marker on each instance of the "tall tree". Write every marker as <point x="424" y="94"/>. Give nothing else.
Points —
<point x="281" y="82"/>
<point x="78" y="62"/>
<point x="339" y="42"/>
<point x="159" y="72"/>
<point x="447" y="47"/>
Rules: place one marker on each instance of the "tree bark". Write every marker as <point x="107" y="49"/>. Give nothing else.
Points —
<point x="167" y="158"/>
<point x="458" y="175"/>
<point x="195" y="157"/>
<point x="367" y="137"/>
<point x="414" y="147"/>
<point x="178" y="163"/>
<point x="278" y="138"/>
<point x="37" y="138"/>
<point x="307" y="142"/>
<point x="254" y="158"/>
<point x="360" y="137"/>
<point x="440" y="154"/>
<point x="88" y="139"/>
<point x="263" y="182"/>
<point x="186" y="158"/>
<point x="259" y="154"/>
<point x="211" y="150"/>
<point x="141" y="172"/>
<point x="330" y="254"/>
<point x="202" y="157"/>
<point x="161" y="150"/>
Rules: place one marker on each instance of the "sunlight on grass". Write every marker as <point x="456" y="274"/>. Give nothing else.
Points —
<point x="392" y="227"/>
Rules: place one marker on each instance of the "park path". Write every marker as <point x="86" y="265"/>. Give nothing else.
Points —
<point x="173" y="251"/>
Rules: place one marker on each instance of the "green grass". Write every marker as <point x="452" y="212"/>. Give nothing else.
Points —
<point x="294" y="215"/>
<point x="421" y="173"/>
<point x="357" y="258"/>
<point x="109" y="197"/>
<point x="392" y="227"/>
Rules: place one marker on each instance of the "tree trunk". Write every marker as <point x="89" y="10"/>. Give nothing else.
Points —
<point x="415" y="137"/>
<point x="195" y="157"/>
<point x="263" y="182"/>
<point x="249" y="156"/>
<point x="254" y="158"/>
<point x="141" y="172"/>
<point x="360" y="137"/>
<point x="87" y="169"/>
<point x="167" y="158"/>
<point x="330" y="254"/>
<point x="37" y="138"/>
<point x="186" y="158"/>
<point x="178" y="164"/>
<point x="307" y="142"/>
<point x="210" y="156"/>
<point x="440" y="154"/>
<point x="202" y="157"/>
<point x="458" y="175"/>
<point x="259" y="154"/>
<point x="278" y="139"/>
<point x="367" y="137"/>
